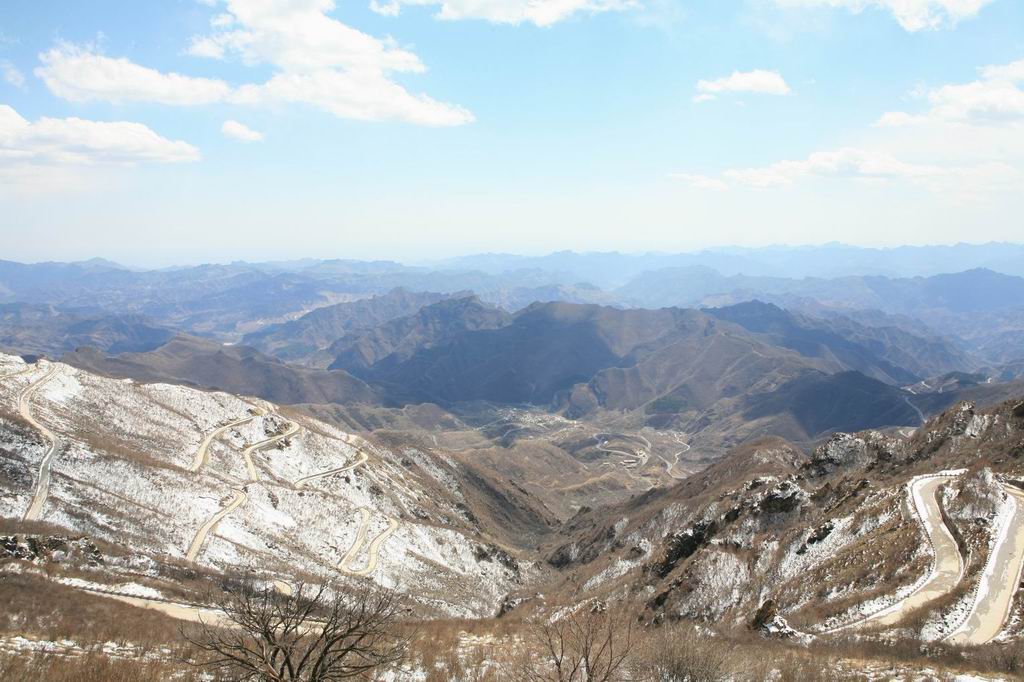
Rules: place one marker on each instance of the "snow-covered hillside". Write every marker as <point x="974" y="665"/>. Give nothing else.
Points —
<point x="122" y="472"/>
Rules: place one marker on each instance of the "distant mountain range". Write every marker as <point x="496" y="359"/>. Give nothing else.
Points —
<point x="722" y="375"/>
<point x="729" y="344"/>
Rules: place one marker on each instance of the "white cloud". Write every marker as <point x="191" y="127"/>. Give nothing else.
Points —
<point x="538" y="12"/>
<point x="967" y="143"/>
<point x="240" y="131"/>
<point x="46" y="152"/>
<point x="298" y="37"/>
<point x="995" y="99"/>
<point x="317" y="60"/>
<point x="757" y="81"/>
<point x="701" y="181"/>
<point x="11" y="74"/>
<point x="874" y="166"/>
<point x="321" y="62"/>
<point x="80" y="74"/>
<point x="912" y="15"/>
<point x="356" y="95"/>
<point x="848" y="162"/>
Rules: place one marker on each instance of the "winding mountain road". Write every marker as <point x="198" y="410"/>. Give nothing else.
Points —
<point x="360" y="459"/>
<point x="947" y="569"/>
<point x="999" y="581"/>
<point x="917" y="409"/>
<point x="25" y="370"/>
<point x="372" y="551"/>
<point x="237" y="500"/>
<point x="256" y="447"/>
<point x="239" y="496"/>
<point x="202" y="455"/>
<point x="669" y="466"/>
<point x="42" y="489"/>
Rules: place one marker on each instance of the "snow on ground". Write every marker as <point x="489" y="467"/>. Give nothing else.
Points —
<point x="122" y="475"/>
<point x="24" y="646"/>
<point x="130" y="589"/>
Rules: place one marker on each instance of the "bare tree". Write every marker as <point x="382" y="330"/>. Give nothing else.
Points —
<point x="313" y="634"/>
<point x="589" y="644"/>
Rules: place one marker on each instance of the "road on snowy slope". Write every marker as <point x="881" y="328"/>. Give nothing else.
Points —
<point x="203" y="453"/>
<point x="239" y="497"/>
<point x="237" y="500"/>
<point x="247" y="453"/>
<point x="361" y="459"/>
<point x="25" y="370"/>
<point x="1000" y="579"/>
<point x="43" y="480"/>
<point x="372" y="551"/>
<point x="948" y="568"/>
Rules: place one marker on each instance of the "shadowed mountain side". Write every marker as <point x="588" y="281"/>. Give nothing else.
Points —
<point x="888" y="354"/>
<point x="396" y="341"/>
<point x="236" y="369"/>
<point x="45" y="330"/>
<point x="547" y="349"/>
<point x="298" y="340"/>
<point x="847" y="401"/>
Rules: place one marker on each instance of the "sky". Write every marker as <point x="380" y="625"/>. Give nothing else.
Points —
<point x="182" y="131"/>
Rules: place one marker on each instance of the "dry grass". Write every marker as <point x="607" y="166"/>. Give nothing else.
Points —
<point x="51" y="611"/>
<point x="88" y="668"/>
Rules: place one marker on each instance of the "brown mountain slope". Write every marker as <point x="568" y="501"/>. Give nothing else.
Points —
<point x="236" y="369"/>
<point x="299" y="340"/>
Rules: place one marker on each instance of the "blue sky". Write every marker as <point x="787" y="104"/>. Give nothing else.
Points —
<point x="212" y="130"/>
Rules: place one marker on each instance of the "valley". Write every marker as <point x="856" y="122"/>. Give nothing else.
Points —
<point x="816" y="480"/>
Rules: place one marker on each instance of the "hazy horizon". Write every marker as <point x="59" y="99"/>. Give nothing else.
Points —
<point x="454" y="256"/>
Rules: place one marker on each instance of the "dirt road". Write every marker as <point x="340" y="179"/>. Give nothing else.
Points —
<point x="202" y="455"/>
<point x="372" y="551"/>
<point x="360" y="459"/>
<point x="43" y="480"/>
<point x="917" y="409"/>
<point x="999" y="581"/>
<point x="237" y="500"/>
<point x="948" y="568"/>
<point x="247" y="453"/>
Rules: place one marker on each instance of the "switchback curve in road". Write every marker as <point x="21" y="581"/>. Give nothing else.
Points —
<point x="947" y="568"/>
<point x="372" y="550"/>
<point x="202" y="455"/>
<point x="360" y="459"/>
<point x="239" y="498"/>
<point x="357" y="544"/>
<point x="42" y="488"/>
<point x="999" y="580"/>
<point x="255" y="447"/>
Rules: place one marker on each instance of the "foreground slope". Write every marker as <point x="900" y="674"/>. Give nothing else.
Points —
<point x="177" y="476"/>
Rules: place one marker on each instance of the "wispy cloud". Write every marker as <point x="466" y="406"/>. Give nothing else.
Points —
<point x="759" y="81"/>
<point x="996" y="98"/>
<point x="912" y="15"/>
<point x="11" y="74"/>
<point x="241" y="132"/>
<point x="538" y="12"/>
